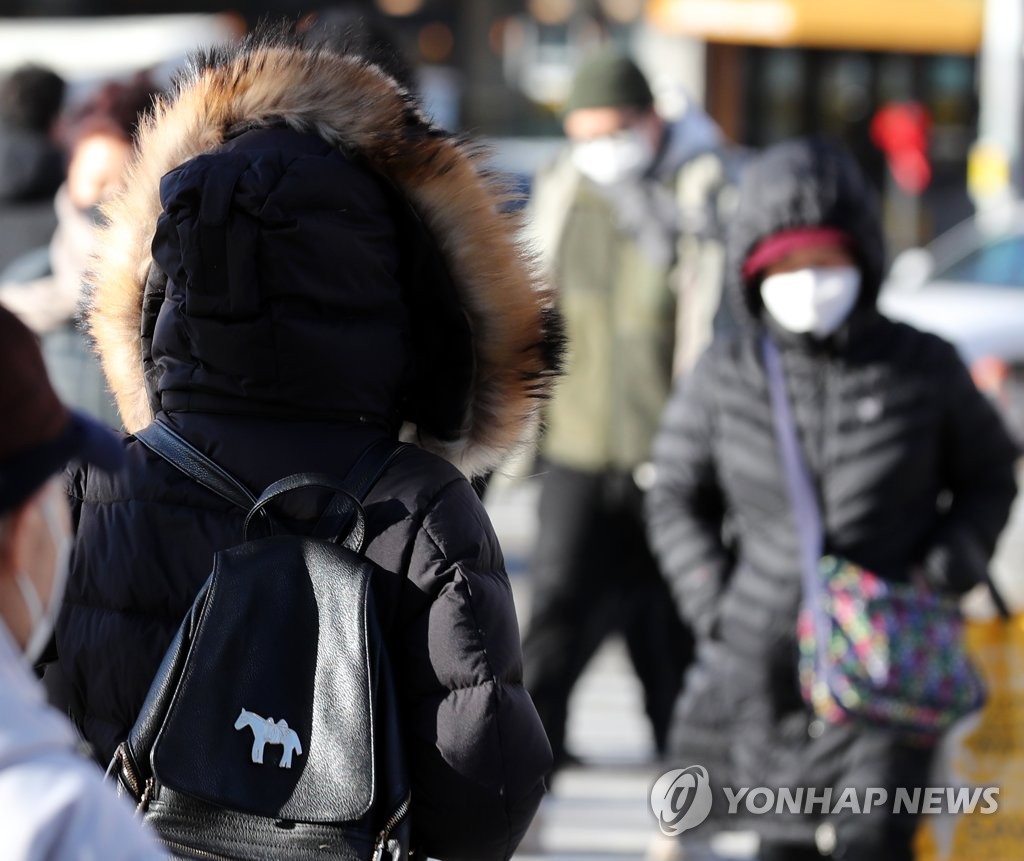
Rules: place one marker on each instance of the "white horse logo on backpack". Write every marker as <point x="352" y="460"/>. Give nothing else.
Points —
<point x="266" y="731"/>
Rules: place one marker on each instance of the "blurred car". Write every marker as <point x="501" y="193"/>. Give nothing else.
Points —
<point x="968" y="287"/>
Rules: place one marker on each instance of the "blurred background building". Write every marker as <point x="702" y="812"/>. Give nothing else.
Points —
<point x="765" y="70"/>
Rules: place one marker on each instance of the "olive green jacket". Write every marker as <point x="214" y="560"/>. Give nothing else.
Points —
<point x="635" y="315"/>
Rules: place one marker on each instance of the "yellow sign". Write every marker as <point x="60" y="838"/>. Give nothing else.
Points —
<point x="988" y="170"/>
<point x="987" y="750"/>
<point x="913" y="26"/>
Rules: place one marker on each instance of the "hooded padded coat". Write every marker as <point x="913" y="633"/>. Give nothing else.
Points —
<point x="913" y="468"/>
<point x="300" y="264"/>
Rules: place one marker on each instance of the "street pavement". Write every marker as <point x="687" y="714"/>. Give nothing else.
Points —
<point x="599" y="812"/>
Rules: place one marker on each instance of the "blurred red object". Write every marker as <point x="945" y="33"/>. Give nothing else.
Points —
<point x="901" y="131"/>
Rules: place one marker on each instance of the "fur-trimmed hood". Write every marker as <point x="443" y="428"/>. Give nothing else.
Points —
<point x="507" y="318"/>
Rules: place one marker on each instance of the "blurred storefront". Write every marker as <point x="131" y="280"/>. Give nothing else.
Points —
<point x="777" y="68"/>
<point x="764" y="69"/>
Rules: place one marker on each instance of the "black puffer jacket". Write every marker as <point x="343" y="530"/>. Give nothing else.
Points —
<point x="145" y="539"/>
<point x="891" y="425"/>
<point x="275" y="297"/>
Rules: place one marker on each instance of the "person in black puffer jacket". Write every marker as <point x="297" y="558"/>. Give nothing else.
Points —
<point x="913" y="465"/>
<point x="299" y="265"/>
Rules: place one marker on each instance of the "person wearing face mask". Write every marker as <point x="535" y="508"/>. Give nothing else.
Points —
<point x="914" y="473"/>
<point x="627" y="225"/>
<point x="44" y="286"/>
<point x="53" y="803"/>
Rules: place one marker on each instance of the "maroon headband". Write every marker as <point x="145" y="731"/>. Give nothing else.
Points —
<point x="778" y="245"/>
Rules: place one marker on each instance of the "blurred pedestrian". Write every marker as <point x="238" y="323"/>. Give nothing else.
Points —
<point x="626" y="221"/>
<point x="53" y="803"/>
<point x="44" y="288"/>
<point x="31" y="160"/>
<point x="299" y="266"/>
<point x="913" y="471"/>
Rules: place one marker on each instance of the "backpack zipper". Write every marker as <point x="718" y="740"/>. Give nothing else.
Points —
<point x="123" y="767"/>
<point x="147" y="791"/>
<point x="393" y="821"/>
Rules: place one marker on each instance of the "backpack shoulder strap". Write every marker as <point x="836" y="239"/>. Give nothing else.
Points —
<point x="372" y="464"/>
<point x="168" y="444"/>
<point x="336" y="519"/>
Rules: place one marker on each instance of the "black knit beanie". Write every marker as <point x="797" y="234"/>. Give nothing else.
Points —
<point x="608" y="79"/>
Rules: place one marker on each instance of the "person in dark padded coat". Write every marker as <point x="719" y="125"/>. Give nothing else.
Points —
<point x="915" y="477"/>
<point x="301" y="264"/>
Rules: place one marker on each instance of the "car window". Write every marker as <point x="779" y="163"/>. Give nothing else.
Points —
<point x="998" y="264"/>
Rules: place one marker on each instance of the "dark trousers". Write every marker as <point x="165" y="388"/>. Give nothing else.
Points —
<point x="888" y="837"/>
<point x="592" y="573"/>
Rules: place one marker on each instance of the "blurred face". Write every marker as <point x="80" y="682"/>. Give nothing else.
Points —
<point x="97" y="169"/>
<point x="613" y="144"/>
<point x="813" y="290"/>
<point x="31" y="544"/>
<point x="589" y="123"/>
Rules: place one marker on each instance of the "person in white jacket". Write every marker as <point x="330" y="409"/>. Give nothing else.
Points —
<point x="54" y="804"/>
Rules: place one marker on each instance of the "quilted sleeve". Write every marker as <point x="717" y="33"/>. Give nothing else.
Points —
<point x="685" y="507"/>
<point x="978" y="462"/>
<point x="477" y="750"/>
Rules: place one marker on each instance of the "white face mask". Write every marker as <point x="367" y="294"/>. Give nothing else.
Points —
<point x="812" y="301"/>
<point x="613" y="158"/>
<point x="43" y="619"/>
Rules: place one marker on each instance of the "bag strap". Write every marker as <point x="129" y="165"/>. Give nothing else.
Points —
<point x="806" y="513"/>
<point x="348" y="495"/>
<point x="169" y="445"/>
<point x="810" y="531"/>
<point x="997" y="598"/>
<point x="372" y="464"/>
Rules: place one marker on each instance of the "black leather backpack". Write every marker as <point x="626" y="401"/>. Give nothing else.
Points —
<point x="271" y="728"/>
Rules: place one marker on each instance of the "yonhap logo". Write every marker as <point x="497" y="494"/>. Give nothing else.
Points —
<point x="681" y="799"/>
